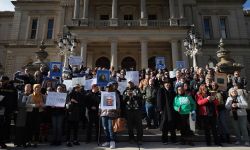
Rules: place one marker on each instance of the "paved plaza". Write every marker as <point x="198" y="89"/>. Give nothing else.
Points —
<point x="127" y="146"/>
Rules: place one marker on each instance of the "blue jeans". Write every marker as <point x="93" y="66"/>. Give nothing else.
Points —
<point x="57" y="122"/>
<point x="223" y="120"/>
<point x="151" y="114"/>
<point x="240" y="128"/>
<point x="108" y="128"/>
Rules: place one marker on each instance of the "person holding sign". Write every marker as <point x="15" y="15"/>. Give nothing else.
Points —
<point x="57" y="115"/>
<point x="107" y="116"/>
<point x="35" y="107"/>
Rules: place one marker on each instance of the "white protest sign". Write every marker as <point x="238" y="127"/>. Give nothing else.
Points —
<point x="89" y="83"/>
<point x="172" y="74"/>
<point x="68" y="84"/>
<point x="79" y="80"/>
<point x="133" y="76"/>
<point x="122" y="86"/>
<point x="56" y="99"/>
<point x="75" y="60"/>
<point x="108" y="100"/>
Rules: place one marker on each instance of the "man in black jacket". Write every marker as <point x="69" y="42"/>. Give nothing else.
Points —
<point x="93" y="100"/>
<point x="165" y="99"/>
<point x="8" y="105"/>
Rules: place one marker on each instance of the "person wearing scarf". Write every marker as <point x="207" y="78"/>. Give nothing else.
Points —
<point x="35" y="104"/>
<point x="237" y="106"/>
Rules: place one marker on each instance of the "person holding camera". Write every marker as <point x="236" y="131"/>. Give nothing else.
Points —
<point x="133" y="100"/>
<point x="237" y="106"/>
<point x="207" y="105"/>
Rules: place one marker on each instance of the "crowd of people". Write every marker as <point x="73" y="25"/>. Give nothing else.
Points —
<point x="165" y="103"/>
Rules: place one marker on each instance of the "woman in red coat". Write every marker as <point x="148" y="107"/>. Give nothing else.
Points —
<point x="207" y="105"/>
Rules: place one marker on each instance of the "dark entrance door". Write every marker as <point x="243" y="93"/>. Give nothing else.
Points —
<point x="128" y="63"/>
<point x="151" y="62"/>
<point x="103" y="62"/>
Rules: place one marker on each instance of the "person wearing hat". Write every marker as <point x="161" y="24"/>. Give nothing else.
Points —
<point x="75" y="105"/>
<point x="107" y="117"/>
<point x="8" y="105"/>
<point x="165" y="100"/>
<point x="132" y="97"/>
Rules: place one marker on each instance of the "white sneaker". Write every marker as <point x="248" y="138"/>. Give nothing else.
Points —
<point x="106" y="144"/>
<point x="112" y="145"/>
<point x="237" y="143"/>
<point x="246" y="144"/>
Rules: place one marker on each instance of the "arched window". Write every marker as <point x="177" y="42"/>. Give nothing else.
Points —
<point x="103" y="62"/>
<point x="128" y="63"/>
<point x="151" y="62"/>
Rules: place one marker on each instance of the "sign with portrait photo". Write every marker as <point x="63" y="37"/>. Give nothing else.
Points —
<point x="55" y="69"/>
<point x="221" y="80"/>
<point x="160" y="63"/>
<point x="103" y="77"/>
<point x="56" y="99"/>
<point x="180" y="64"/>
<point x="108" y="100"/>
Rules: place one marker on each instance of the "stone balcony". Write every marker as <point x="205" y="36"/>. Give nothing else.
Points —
<point x="126" y="23"/>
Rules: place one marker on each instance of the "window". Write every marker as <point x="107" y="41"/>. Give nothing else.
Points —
<point x="152" y="17"/>
<point x="207" y="28"/>
<point x="50" y="28"/>
<point x="128" y="17"/>
<point x="223" y="27"/>
<point x="104" y="17"/>
<point x="34" y="24"/>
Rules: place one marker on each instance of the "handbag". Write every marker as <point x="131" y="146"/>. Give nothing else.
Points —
<point x="119" y="125"/>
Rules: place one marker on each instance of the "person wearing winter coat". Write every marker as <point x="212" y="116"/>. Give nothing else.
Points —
<point x="237" y="106"/>
<point x="184" y="105"/>
<point x="207" y="105"/>
<point x="169" y="117"/>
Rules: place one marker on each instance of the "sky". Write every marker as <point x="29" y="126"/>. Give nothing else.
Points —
<point x="6" y="5"/>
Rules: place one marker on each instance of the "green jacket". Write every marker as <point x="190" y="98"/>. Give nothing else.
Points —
<point x="184" y="104"/>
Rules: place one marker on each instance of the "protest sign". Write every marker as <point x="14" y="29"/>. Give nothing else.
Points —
<point x="103" y="77"/>
<point x="180" y="64"/>
<point x="160" y="63"/>
<point x="108" y="100"/>
<point x="68" y="84"/>
<point x="55" y="69"/>
<point x="172" y="74"/>
<point x="79" y="80"/>
<point x="56" y="99"/>
<point x="75" y="60"/>
<point x="89" y="83"/>
<point x="221" y="80"/>
<point x="122" y="86"/>
<point x="132" y="76"/>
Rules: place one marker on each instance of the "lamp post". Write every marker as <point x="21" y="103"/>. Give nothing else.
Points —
<point x="67" y="45"/>
<point x="193" y="44"/>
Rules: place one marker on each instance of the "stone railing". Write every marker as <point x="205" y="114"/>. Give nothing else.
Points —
<point x="121" y="23"/>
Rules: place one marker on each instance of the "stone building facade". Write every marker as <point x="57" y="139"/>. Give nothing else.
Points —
<point x="124" y="33"/>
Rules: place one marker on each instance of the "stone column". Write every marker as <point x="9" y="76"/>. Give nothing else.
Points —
<point x="144" y="54"/>
<point x="184" y="56"/>
<point x="76" y="9"/>
<point x="175" y="53"/>
<point x="143" y="20"/>
<point x="114" y="20"/>
<point x="181" y="12"/>
<point x="173" y="20"/>
<point x="85" y="9"/>
<point x="85" y="12"/>
<point x="114" y="54"/>
<point x="84" y="52"/>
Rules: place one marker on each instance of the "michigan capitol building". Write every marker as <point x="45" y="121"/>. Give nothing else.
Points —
<point x="124" y="33"/>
